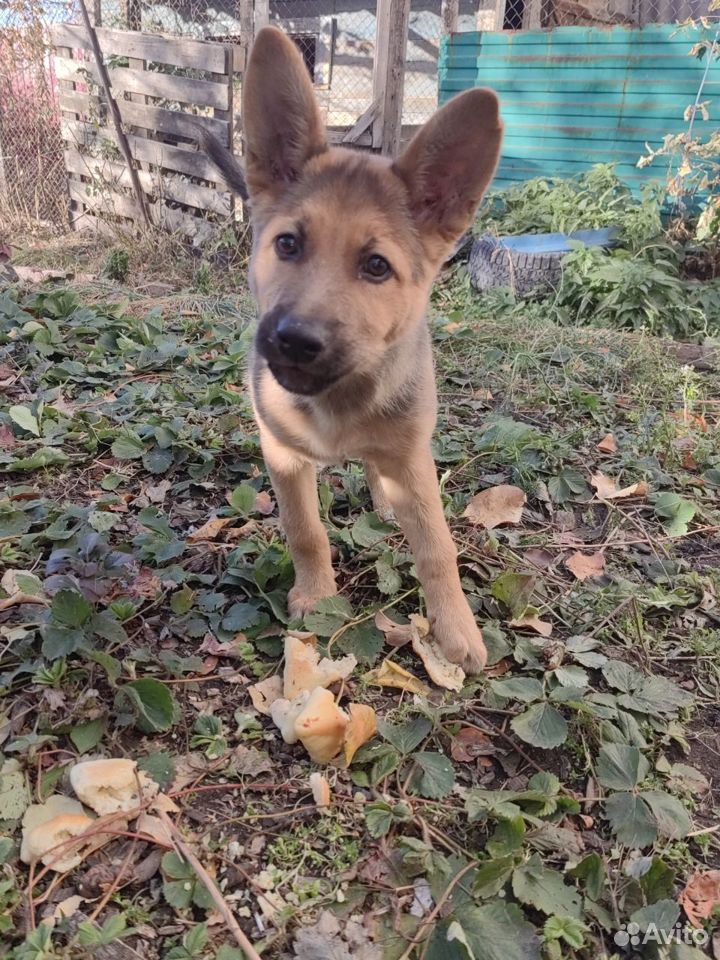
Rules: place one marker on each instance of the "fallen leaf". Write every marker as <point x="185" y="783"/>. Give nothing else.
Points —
<point x="608" y="444"/>
<point x="391" y="674"/>
<point x="530" y="620"/>
<point x="213" y="646"/>
<point x="154" y="827"/>
<point x="68" y="908"/>
<point x="165" y="804"/>
<point x="396" y="634"/>
<point x="145" y="585"/>
<point x="687" y="418"/>
<point x="441" y="671"/>
<point x="265" y="693"/>
<point x="497" y="505"/>
<point x="7" y="438"/>
<point x="542" y="559"/>
<point x="264" y="503"/>
<point x="586" y="565"/>
<point x="469" y="743"/>
<point x="210" y="530"/>
<point x="249" y="762"/>
<point x="320" y="789"/>
<point x="499" y="669"/>
<point x="607" y="489"/>
<point x="189" y="768"/>
<point x="701" y="896"/>
<point x="362" y="726"/>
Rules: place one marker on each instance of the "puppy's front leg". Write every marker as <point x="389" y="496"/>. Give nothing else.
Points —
<point x="412" y="487"/>
<point x="295" y="484"/>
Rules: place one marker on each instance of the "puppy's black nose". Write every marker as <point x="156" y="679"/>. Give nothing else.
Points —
<point x="295" y="341"/>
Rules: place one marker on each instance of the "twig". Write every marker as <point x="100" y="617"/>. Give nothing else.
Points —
<point x="218" y="899"/>
<point x="117" y="119"/>
<point x="427" y="924"/>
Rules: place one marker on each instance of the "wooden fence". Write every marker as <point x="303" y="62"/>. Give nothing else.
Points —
<point x="156" y="82"/>
<point x="576" y="96"/>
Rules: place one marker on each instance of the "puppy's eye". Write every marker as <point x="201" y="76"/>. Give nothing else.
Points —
<point x="376" y="268"/>
<point x="287" y="246"/>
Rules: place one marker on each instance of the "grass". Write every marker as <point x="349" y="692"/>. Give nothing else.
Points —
<point x="579" y="794"/>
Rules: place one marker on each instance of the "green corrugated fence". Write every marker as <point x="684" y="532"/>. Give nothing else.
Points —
<point x="575" y="96"/>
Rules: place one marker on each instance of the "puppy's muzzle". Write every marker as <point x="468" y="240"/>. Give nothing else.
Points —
<point x="299" y="352"/>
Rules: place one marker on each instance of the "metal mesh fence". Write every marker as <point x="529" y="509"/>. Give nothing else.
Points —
<point x="534" y="14"/>
<point x="32" y="173"/>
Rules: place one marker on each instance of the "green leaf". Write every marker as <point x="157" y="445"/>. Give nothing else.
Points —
<point x="514" y="590"/>
<point x="86" y="736"/>
<point x="378" y="819"/>
<point x="541" y="725"/>
<point x="621" y="767"/>
<point x="621" y="676"/>
<point x="591" y="869"/>
<point x="568" y="929"/>
<point x="369" y="529"/>
<point x="70" y="608"/>
<point x="526" y="689"/>
<point x="544" y="889"/>
<point x="670" y="815"/>
<point x="571" y="675"/>
<point x="45" y="457"/>
<point x="389" y="580"/>
<point x="495" y="931"/>
<point x="662" y="916"/>
<point x="675" y="513"/>
<point x="364" y="640"/>
<point x="496" y="642"/>
<point x="438" y="775"/>
<point x="13" y="523"/>
<point x="160" y="766"/>
<point x="14" y="794"/>
<point x="491" y="876"/>
<point x="127" y="446"/>
<point x="508" y="837"/>
<point x="151" y="702"/>
<point x="243" y="499"/>
<point x="61" y="641"/>
<point x="182" y="887"/>
<point x="405" y="736"/>
<point x="182" y="600"/>
<point x="158" y="460"/>
<point x="631" y="819"/>
<point x="25" y="418"/>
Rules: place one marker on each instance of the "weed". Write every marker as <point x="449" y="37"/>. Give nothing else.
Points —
<point x="117" y="265"/>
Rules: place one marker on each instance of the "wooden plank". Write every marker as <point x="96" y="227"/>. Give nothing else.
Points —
<point x="449" y="13"/>
<point x="262" y="14"/>
<point x="389" y="73"/>
<point x="162" y="155"/>
<point x="155" y="48"/>
<point x="203" y="93"/>
<point x="172" y="121"/>
<point x="154" y="184"/>
<point x="108" y="202"/>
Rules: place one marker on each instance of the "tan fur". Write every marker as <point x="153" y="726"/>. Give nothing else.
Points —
<point x="376" y="400"/>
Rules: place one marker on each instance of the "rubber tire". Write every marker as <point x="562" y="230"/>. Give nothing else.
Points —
<point x="491" y="266"/>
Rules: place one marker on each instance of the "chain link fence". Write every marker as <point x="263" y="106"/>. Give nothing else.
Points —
<point x="535" y="14"/>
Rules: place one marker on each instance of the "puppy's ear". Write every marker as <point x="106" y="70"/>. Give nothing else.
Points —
<point x="450" y="162"/>
<point x="281" y="121"/>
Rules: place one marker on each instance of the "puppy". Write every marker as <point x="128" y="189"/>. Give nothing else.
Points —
<point x="346" y="246"/>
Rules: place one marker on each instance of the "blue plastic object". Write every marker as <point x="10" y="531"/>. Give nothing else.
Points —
<point x="560" y="242"/>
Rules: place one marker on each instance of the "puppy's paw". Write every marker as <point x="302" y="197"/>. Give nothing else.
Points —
<point x="304" y="597"/>
<point x="460" y="639"/>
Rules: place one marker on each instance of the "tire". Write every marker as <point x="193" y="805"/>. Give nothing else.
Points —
<point x="492" y="265"/>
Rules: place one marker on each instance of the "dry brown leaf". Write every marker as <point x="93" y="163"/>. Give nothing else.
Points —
<point x="7" y="438"/>
<point x="469" y="743"/>
<point x="608" y="444"/>
<point x="497" y="505"/>
<point x="498" y="669"/>
<point x="304" y="670"/>
<point x="211" y="529"/>
<point x="320" y="789"/>
<point x="155" y="828"/>
<point x="701" y="896"/>
<point x="68" y="908"/>
<point x="265" y="693"/>
<point x="607" y="489"/>
<point x="542" y="559"/>
<point x="586" y="565"/>
<point x="396" y="634"/>
<point x="362" y="726"/>
<point x="530" y="620"/>
<point x="264" y="503"/>
<point x="441" y="671"/>
<point x="214" y="647"/>
<point x="391" y="674"/>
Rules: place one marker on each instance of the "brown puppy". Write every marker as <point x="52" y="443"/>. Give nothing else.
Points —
<point x="346" y="247"/>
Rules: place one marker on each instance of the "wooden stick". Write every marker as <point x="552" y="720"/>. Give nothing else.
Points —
<point x="218" y="899"/>
<point x="117" y="120"/>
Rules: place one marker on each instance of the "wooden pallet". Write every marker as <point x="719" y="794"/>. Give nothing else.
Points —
<point x="164" y="87"/>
